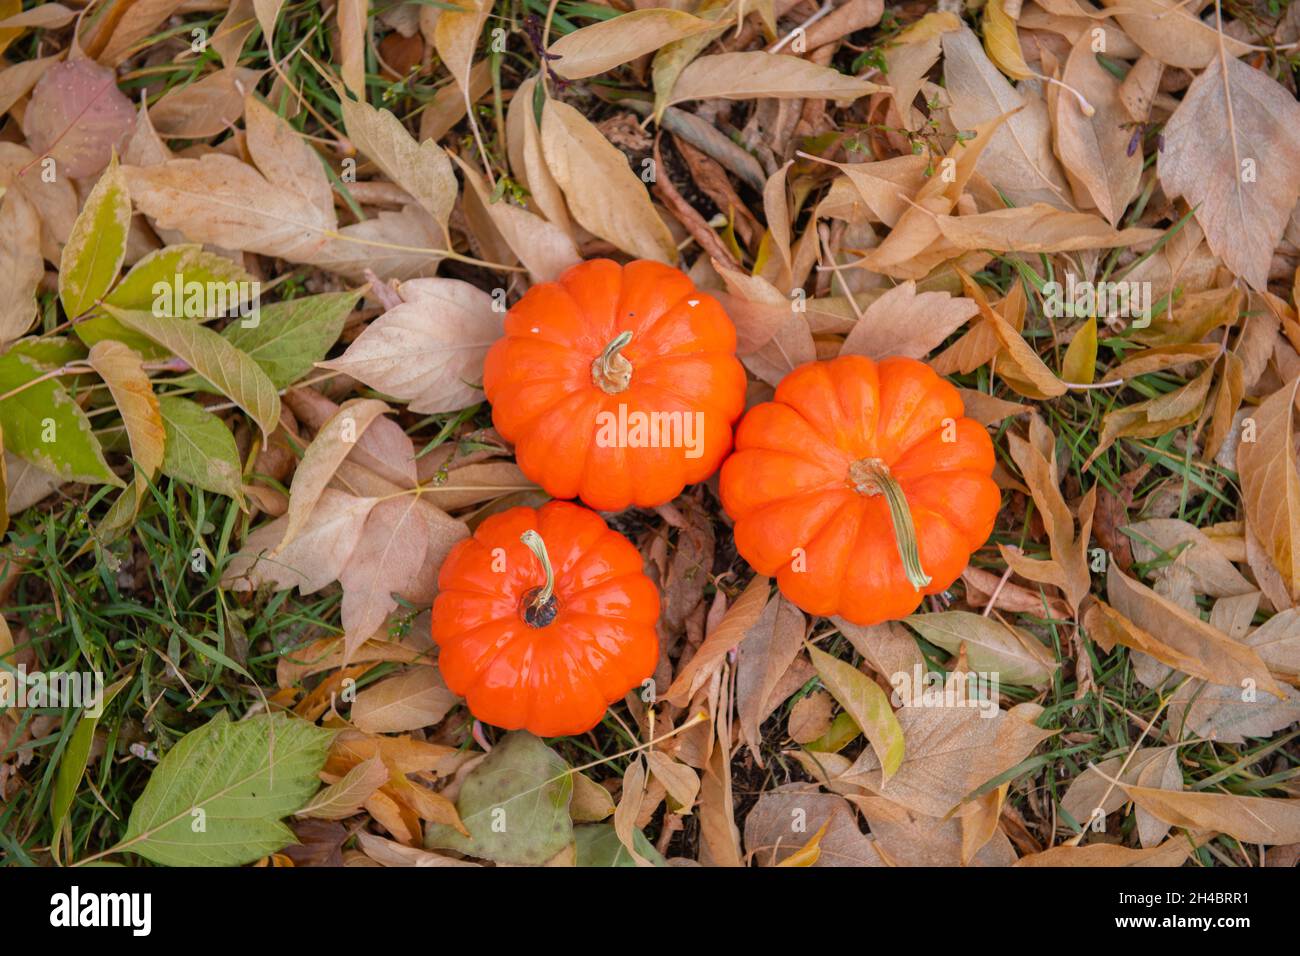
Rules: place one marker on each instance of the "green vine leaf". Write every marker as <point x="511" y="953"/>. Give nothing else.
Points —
<point x="217" y="798"/>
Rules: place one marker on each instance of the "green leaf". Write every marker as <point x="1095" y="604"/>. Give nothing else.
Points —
<point x="232" y="372"/>
<point x="867" y="704"/>
<point x="43" y="424"/>
<point x="842" y="732"/>
<point x="73" y="764"/>
<point x="49" y="352"/>
<point x="515" y="805"/>
<point x="140" y="291"/>
<point x="199" y="449"/>
<point x="1015" y="655"/>
<point x="96" y="246"/>
<point x="217" y="797"/>
<point x="4" y="490"/>
<point x="598" y="845"/>
<point x="290" y="337"/>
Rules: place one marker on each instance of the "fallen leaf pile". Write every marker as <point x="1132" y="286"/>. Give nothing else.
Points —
<point x="253" y="255"/>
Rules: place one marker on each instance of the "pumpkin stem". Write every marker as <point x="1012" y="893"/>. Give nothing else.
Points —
<point x="870" y="476"/>
<point x="611" y="371"/>
<point x="540" y="609"/>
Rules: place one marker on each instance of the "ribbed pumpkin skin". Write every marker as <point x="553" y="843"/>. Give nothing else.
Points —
<point x="786" y="486"/>
<point x="557" y="679"/>
<point x="538" y="378"/>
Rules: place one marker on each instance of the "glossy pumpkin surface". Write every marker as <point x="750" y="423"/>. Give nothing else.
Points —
<point x="548" y="666"/>
<point x="810" y="482"/>
<point x="606" y="344"/>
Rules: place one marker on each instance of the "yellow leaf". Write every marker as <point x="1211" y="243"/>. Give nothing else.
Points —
<point x="867" y="704"/>
<point x="10" y="8"/>
<point x="1080" y="363"/>
<point x="810" y="852"/>
<point x="1002" y="43"/>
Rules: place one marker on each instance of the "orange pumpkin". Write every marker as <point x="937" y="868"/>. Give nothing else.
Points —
<point x="618" y="385"/>
<point x="861" y="486"/>
<point x="544" y="618"/>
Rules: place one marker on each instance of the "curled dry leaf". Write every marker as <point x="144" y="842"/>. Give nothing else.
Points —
<point x="609" y="43"/>
<point x="132" y="25"/>
<point x="390" y="853"/>
<point x="629" y="807"/>
<point x="743" y="76"/>
<point x="1095" y="148"/>
<point x="603" y="194"/>
<point x="741" y="617"/>
<point x="1068" y="569"/>
<point x="545" y="249"/>
<point x="1173" y="852"/>
<point x="763" y="658"/>
<point x="1002" y="42"/>
<point x="1145" y="617"/>
<point x="527" y="160"/>
<point x="1263" y="820"/>
<point x="21" y="268"/>
<point x="455" y="35"/>
<point x="345" y="797"/>
<point x="1038" y="228"/>
<point x="122" y="371"/>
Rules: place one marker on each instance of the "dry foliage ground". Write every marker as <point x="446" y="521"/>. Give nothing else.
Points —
<point x="1085" y="217"/>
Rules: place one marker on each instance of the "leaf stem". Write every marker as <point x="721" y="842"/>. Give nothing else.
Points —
<point x="72" y="368"/>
